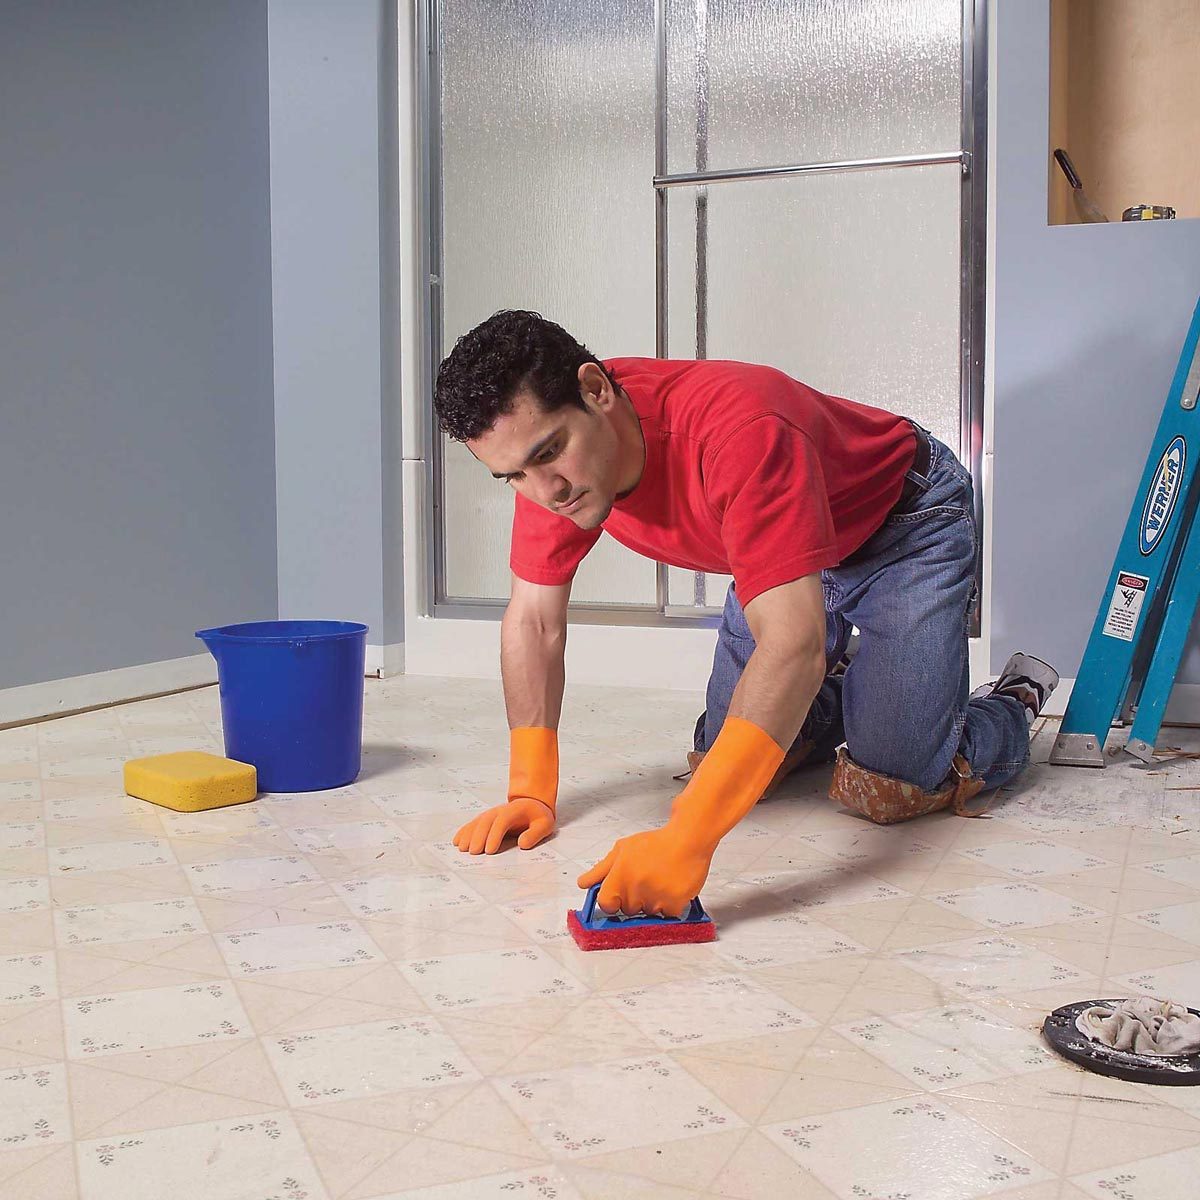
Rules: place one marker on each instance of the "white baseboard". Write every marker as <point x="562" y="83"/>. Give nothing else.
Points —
<point x="623" y="655"/>
<point x="57" y="696"/>
<point x="36" y="701"/>
<point x="385" y="661"/>
<point x="629" y="656"/>
<point x="637" y="656"/>
<point x="1057" y="704"/>
<point x="1182" y="709"/>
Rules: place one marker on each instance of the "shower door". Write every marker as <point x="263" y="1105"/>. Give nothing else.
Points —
<point x="793" y="182"/>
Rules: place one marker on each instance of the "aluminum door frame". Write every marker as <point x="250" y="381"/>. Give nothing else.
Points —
<point x="972" y="157"/>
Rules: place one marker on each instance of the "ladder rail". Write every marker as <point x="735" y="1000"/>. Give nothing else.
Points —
<point x="1151" y="637"/>
<point x="1168" y="647"/>
<point x="1119" y="660"/>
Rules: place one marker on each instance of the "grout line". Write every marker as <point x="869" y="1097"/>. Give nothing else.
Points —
<point x="752" y="1127"/>
<point x="530" y="1162"/>
<point x="58" y="1000"/>
<point x="1116" y="916"/>
<point x="110" y="1117"/>
<point x="55" y="1149"/>
<point x="484" y="1078"/>
<point x="235" y="1045"/>
<point x="1000" y="1104"/>
<point x="355" y="1181"/>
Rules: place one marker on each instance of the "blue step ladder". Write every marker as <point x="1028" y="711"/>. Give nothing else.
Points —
<point x="1146" y="611"/>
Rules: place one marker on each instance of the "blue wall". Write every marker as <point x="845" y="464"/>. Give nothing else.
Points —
<point x="1089" y="323"/>
<point x="137" y="487"/>
<point x="336" y="326"/>
<point x="140" y="423"/>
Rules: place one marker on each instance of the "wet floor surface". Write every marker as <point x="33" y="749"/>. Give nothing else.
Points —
<point x="316" y="997"/>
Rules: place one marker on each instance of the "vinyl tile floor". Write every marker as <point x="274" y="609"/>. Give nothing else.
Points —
<point x="316" y="997"/>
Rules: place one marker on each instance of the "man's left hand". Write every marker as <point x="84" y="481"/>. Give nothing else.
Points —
<point x="658" y="873"/>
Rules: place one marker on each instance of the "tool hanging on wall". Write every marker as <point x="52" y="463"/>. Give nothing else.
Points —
<point x="1088" y="212"/>
<point x="1149" y="212"/>
<point x="1146" y="611"/>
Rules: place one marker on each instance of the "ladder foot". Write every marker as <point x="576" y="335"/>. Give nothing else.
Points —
<point x="1140" y="749"/>
<point x="1077" y="750"/>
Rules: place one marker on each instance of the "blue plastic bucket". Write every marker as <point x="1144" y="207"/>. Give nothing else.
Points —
<point x="292" y="700"/>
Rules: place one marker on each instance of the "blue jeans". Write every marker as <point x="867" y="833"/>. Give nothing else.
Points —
<point x="902" y="706"/>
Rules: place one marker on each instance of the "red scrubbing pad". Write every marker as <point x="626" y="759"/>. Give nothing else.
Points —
<point x="594" y="930"/>
<point x="675" y="933"/>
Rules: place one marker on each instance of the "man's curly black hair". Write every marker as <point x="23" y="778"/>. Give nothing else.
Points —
<point x="512" y="351"/>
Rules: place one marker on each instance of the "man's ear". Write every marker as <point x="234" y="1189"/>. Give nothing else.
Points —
<point x="595" y="385"/>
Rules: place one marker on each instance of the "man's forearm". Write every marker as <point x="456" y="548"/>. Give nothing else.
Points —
<point x="777" y="689"/>
<point x="765" y="715"/>
<point x="534" y="673"/>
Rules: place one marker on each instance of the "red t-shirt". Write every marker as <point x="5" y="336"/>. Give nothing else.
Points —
<point x="748" y="473"/>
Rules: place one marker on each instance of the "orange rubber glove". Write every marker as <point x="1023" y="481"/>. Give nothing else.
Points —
<point x="660" y="872"/>
<point x="532" y="791"/>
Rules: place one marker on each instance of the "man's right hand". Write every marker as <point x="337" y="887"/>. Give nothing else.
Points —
<point x="532" y="820"/>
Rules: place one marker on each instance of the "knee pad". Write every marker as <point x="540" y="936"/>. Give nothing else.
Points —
<point x="886" y="800"/>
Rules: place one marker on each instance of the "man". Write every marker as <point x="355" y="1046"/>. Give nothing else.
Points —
<point x="827" y="513"/>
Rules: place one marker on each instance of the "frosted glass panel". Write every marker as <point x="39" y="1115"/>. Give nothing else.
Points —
<point x="813" y="80"/>
<point x="547" y="156"/>
<point x="478" y="524"/>
<point x="849" y="283"/>
<point x="684" y="590"/>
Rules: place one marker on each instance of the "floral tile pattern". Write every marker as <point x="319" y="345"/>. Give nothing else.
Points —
<point x="918" y="1148"/>
<point x="33" y="1107"/>
<point x="263" y="1158"/>
<point x="1179" y="920"/>
<point x="1035" y="858"/>
<point x="124" y="1022"/>
<point x="135" y="921"/>
<point x="949" y="1047"/>
<point x="539" y="1183"/>
<point x="351" y="1061"/>
<point x="615" y="1106"/>
<point x="249" y="875"/>
<point x="24" y="895"/>
<point x="316" y="997"/>
<point x="110" y="856"/>
<point x="1162" y="1175"/>
<point x="722" y="1008"/>
<point x="989" y="964"/>
<point x="393" y="895"/>
<point x="28" y="977"/>
<point x="285" y="948"/>
<point x="1014" y="906"/>
<point x="490" y="977"/>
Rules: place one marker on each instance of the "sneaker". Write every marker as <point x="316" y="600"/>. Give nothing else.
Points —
<point x="843" y="664"/>
<point x="1026" y="679"/>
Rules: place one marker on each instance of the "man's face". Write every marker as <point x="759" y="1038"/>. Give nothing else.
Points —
<point x="567" y="461"/>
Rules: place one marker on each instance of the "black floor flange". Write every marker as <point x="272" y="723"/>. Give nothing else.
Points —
<point x="1178" y="1070"/>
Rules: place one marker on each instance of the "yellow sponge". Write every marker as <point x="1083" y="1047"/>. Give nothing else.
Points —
<point x="191" y="781"/>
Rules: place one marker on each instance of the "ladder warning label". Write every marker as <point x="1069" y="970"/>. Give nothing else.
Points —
<point x="1125" y="606"/>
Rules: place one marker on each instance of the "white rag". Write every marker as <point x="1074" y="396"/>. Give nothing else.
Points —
<point x="1142" y="1026"/>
